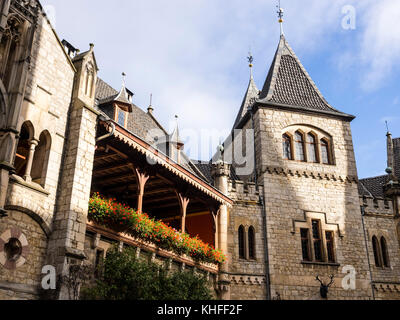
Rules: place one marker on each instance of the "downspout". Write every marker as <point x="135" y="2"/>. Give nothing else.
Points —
<point x="107" y="135"/>
<point x="366" y="247"/>
<point x="264" y="214"/>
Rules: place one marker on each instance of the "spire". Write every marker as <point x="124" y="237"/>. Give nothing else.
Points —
<point x="288" y="84"/>
<point x="123" y="97"/>
<point x="150" y="109"/>
<point x="174" y="136"/>
<point x="280" y="16"/>
<point x="250" y="95"/>
<point x="389" y="145"/>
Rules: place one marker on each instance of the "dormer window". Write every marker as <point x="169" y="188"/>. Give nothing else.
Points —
<point x="120" y="116"/>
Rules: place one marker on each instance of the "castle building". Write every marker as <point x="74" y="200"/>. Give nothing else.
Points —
<point x="281" y="198"/>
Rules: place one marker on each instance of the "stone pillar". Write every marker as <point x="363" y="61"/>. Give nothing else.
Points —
<point x="33" y="145"/>
<point x="220" y="173"/>
<point x="66" y="245"/>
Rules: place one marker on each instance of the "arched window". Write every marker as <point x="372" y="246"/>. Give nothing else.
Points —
<point x="22" y="154"/>
<point x="312" y="148"/>
<point x="41" y="159"/>
<point x="299" y="142"/>
<point x="325" y="154"/>
<point x="252" y="247"/>
<point x="385" y="254"/>
<point x="242" y="254"/>
<point x="376" y="248"/>
<point x="287" y="147"/>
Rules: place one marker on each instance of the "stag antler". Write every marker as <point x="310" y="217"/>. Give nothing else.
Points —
<point x="332" y="280"/>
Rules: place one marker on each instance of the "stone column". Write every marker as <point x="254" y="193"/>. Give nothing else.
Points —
<point x="33" y="145"/>
<point x="220" y="173"/>
<point x="67" y="241"/>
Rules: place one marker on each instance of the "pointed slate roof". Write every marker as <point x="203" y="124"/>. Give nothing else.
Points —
<point x="251" y="94"/>
<point x="289" y="84"/>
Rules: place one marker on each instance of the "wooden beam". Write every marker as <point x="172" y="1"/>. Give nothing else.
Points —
<point x="97" y="171"/>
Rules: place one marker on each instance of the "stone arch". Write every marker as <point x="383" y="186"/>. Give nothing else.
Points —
<point x="36" y="217"/>
<point x="27" y="133"/>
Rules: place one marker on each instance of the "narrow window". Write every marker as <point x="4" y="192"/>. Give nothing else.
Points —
<point x="251" y="236"/>
<point x="121" y="117"/>
<point x="375" y="246"/>
<point x="385" y="255"/>
<point x="305" y="244"/>
<point x="317" y="241"/>
<point x="312" y="148"/>
<point x="330" y="246"/>
<point x="325" y="152"/>
<point x="241" y="243"/>
<point x="299" y="142"/>
<point x="287" y="147"/>
<point x="22" y="154"/>
<point x="99" y="262"/>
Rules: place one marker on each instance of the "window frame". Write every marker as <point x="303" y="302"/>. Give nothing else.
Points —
<point x="290" y="140"/>
<point x="328" y="150"/>
<point x="117" y="111"/>
<point x="251" y="236"/>
<point x="315" y="146"/>
<point x="300" y="144"/>
<point x="242" y="242"/>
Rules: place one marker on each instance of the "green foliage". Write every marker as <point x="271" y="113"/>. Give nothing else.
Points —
<point x="126" y="278"/>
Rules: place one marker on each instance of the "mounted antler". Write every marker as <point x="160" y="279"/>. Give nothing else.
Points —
<point x="325" y="287"/>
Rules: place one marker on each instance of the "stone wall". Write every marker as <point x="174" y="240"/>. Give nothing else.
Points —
<point x="247" y="276"/>
<point x="24" y="281"/>
<point x="296" y="192"/>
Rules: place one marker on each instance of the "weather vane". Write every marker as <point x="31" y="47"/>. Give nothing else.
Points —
<point x="280" y="16"/>
<point x="387" y="127"/>
<point x="250" y="59"/>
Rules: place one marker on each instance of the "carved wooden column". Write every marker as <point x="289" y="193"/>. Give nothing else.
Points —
<point x="183" y="202"/>
<point x="33" y="145"/>
<point x="214" y="214"/>
<point x="142" y="179"/>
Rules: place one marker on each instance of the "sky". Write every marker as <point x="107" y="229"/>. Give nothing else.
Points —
<point x="191" y="55"/>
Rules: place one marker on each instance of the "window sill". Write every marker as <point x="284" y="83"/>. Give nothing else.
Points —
<point x="31" y="185"/>
<point x="331" y="264"/>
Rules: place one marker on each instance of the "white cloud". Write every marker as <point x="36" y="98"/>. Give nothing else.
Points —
<point x="191" y="54"/>
<point x="380" y="44"/>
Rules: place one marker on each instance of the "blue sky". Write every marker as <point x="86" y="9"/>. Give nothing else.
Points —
<point x="191" y="55"/>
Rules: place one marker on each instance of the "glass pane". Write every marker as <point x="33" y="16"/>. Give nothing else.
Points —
<point x="329" y="244"/>
<point x="312" y="150"/>
<point x="121" y="118"/>
<point x="287" y="152"/>
<point x="299" y="147"/>
<point x="305" y="244"/>
<point x="251" y="244"/>
<point x="324" y="152"/>
<point x="241" y="242"/>
<point x="315" y="229"/>
<point x="318" y="250"/>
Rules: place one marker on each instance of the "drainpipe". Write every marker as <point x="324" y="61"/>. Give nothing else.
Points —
<point x="264" y="213"/>
<point x="110" y="134"/>
<point x="366" y="247"/>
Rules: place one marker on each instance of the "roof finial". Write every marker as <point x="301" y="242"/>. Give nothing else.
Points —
<point x="150" y="109"/>
<point x="123" y="79"/>
<point x="250" y="59"/>
<point x="387" y="128"/>
<point x="280" y="16"/>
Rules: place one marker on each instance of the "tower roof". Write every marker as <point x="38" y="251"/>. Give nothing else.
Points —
<point x="289" y="84"/>
<point x="174" y="136"/>
<point x="250" y="95"/>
